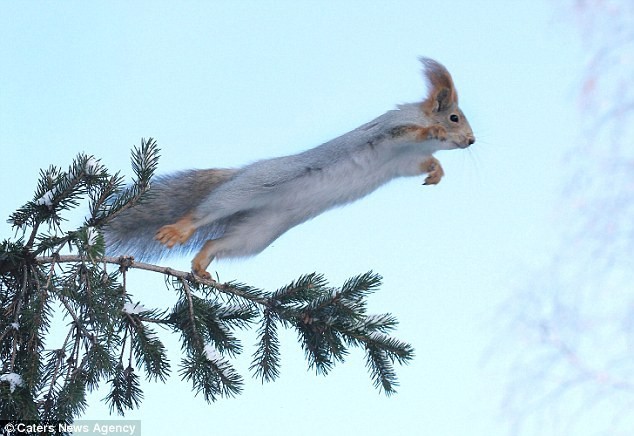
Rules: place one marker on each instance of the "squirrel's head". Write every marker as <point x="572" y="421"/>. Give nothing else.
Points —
<point x="441" y="104"/>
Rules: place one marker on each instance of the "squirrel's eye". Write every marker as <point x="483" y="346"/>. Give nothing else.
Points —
<point x="454" y="118"/>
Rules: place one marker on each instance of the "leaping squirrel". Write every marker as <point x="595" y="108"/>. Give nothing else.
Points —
<point x="239" y="212"/>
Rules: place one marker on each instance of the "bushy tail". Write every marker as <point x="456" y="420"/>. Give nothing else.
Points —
<point x="169" y="199"/>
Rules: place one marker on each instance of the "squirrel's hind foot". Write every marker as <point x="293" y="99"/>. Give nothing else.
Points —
<point x="177" y="233"/>
<point x="202" y="260"/>
<point x="202" y="274"/>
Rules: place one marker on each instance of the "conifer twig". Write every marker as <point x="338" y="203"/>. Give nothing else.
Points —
<point x="192" y="316"/>
<point x="129" y="262"/>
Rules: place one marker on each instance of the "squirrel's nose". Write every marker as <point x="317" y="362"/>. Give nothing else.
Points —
<point x="471" y="140"/>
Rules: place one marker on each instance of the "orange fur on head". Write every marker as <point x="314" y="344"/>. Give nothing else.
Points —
<point x="442" y="91"/>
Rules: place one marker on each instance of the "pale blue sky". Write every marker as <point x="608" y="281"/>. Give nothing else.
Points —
<point x="221" y="84"/>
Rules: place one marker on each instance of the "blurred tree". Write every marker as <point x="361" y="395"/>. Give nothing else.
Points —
<point x="575" y="372"/>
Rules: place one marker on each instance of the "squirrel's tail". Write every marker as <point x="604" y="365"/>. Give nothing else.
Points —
<point x="169" y="199"/>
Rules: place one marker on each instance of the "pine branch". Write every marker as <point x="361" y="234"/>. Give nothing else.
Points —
<point x="266" y="359"/>
<point x="125" y="393"/>
<point x="98" y="363"/>
<point x="144" y="164"/>
<point x="148" y="349"/>
<point x="359" y="287"/>
<point x="381" y="370"/>
<point x="301" y="291"/>
<point x="211" y="374"/>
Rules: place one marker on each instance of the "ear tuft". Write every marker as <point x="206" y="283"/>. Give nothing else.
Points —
<point x="442" y="92"/>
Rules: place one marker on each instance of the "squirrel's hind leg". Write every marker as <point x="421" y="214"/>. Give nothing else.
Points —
<point x="204" y="257"/>
<point x="177" y="233"/>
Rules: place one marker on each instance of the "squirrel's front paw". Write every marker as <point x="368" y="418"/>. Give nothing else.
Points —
<point x="434" y="171"/>
<point x="433" y="132"/>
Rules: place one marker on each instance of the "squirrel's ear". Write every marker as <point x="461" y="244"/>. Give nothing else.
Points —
<point x="442" y="93"/>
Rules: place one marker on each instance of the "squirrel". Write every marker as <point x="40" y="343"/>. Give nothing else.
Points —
<point x="239" y="212"/>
